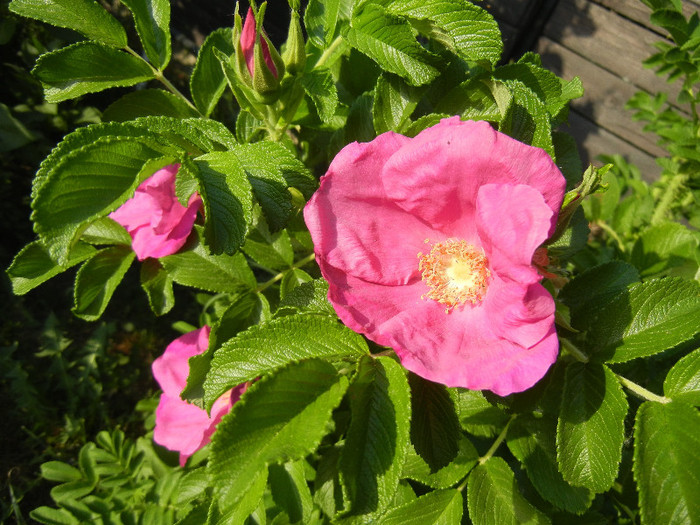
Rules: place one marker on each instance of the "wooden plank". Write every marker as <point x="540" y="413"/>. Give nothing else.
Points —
<point x="604" y="96"/>
<point x="514" y="12"/>
<point x="593" y="141"/>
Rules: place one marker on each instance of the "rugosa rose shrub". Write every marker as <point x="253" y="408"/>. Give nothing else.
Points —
<point x="157" y="223"/>
<point x="180" y="425"/>
<point x="427" y="244"/>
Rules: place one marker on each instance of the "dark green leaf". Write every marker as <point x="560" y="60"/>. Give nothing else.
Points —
<point x="417" y="469"/>
<point x="683" y="380"/>
<point x="590" y="431"/>
<point x="13" y="134"/>
<point x="477" y="99"/>
<point x="476" y="415"/>
<point x="106" y="231"/>
<point x="320" y="20"/>
<point x="88" y="67"/>
<point x="247" y="503"/>
<point x="158" y="286"/>
<point x="307" y="297"/>
<point x="527" y="119"/>
<point x="665" y="247"/>
<point x="281" y="418"/>
<point x="51" y="516"/>
<point x="59" y="471"/>
<point x="208" y="82"/>
<point x="319" y="85"/>
<point x="293" y="280"/>
<point x="152" y="18"/>
<point x="290" y="491"/>
<point x="98" y="278"/>
<point x="666" y="463"/>
<point x="375" y="447"/>
<point x="147" y="102"/>
<point x="264" y="348"/>
<point x="85" y="16"/>
<point x="440" y="507"/>
<point x="493" y="497"/>
<point x="542" y="82"/>
<point x="394" y="101"/>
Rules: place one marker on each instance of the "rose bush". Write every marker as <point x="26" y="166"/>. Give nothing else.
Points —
<point x="157" y="223"/>
<point x="180" y="425"/>
<point x="427" y="244"/>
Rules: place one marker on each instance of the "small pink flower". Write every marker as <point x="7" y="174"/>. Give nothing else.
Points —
<point x="157" y="223"/>
<point x="427" y="244"/>
<point x="248" y="45"/>
<point x="179" y="425"/>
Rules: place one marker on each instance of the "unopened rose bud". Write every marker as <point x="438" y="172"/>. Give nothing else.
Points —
<point x="295" y="51"/>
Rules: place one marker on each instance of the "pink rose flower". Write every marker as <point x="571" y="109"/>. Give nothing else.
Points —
<point x="157" y="223"/>
<point x="427" y="244"/>
<point x="180" y="425"/>
<point x="248" y="45"/>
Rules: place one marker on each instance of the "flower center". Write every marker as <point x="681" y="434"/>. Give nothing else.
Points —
<point x="456" y="272"/>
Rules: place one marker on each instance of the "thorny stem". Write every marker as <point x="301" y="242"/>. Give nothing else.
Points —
<point x="641" y="391"/>
<point x="329" y="51"/>
<point x="574" y="350"/>
<point x="279" y="276"/>
<point x="161" y="78"/>
<point x="501" y="437"/>
<point x="607" y="229"/>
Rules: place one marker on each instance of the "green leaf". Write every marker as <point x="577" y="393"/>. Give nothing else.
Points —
<point x="533" y="442"/>
<point x="389" y="41"/>
<point x="281" y="418"/>
<point x="152" y="18"/>
<point x="307" y="297"/>
<point x="394" y="101"/>
<point x="241" y="92"/>
<point x="647" y="319"/>
<point x="87" y="184"/>
<point x="294" y="172"/>
<point x="683" y="380"/>
<point x="194" y="266"/>
<point x="247" y="503"/>
<point x="476" y="415"/>
<point x="462" y="27"/>
<point x="208" y="82"/>
<point x="158" y="285"/>
<point x="594" y="288"/>
<point x="540" y="81"/>
<point x="51" y="516"/>
<point x="33" y="265"/>
<point x="87" y="67"/>
<point x="273" y="251"/>
<point x="319" y="85"/>
<point x="228" y="201"/>
<point x="147" y="102"/>
<point x="440" y="507"/>
<point x="59" y="471"/>
<point x="527" y="119"/>
<point x="666" y="463"/>
<point x="320" y="20"/>
<point x="665" y="247"/>
<point x="13" y="134"/>
<point x="98" y="278"/>
<point x="264" y="348"/>
<point x="85" y="16"/>
<point x="477" y="99"/>
<point x="590" y="431"/>
<point x="290" y="491"/>
<point x="435" y="428"/>
<point x="417" y="469"/>
<point x="493" y="497"/>
<point x="375" y="446"/>
<point x="293" y="280"/>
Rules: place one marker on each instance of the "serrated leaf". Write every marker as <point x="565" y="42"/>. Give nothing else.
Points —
<point x="293" y="280"/>
<point x="84" y="16"/>
<point x="106" y="231"/>
<point x="307" y="297"/>
<point x="493" y="497"/>
<point x="294" y="172"/>
<point x="145" y="102"/>
<point x="320" y="86"/>
<point x="683" y="380"/>
<point x="208" y="82"/>
<point x="590" y="430"/>
<point x="646" y="319"/>
<point x="281" y="418"/>
<point x="34" y="265"/>
<point x="464" y="28"/>
<point x="320" y="20"/>
<point x="595" y="287"/>
<point x="665" y="247"/>
<point x="417" y="469"/>
<point x="264" y="348"/>
<point x="158" y="285"/>
<point x="194" y="266"/>
<point x="87" y="67"/>
<point x="389" y="41"/>
<point x="394" y="101"/>
<point x="666" y="463"/>
<point x="533" y="442"/>
<point x="476" y="415"/>
<point x="244" y="507"/>
<point x="527" y="119"/>
<point x="440" y="507"/>
<point x="477" y="99"/>
<point x="290" y="491"/>
<point x="228" y="201"/>
<point x="98" y="278"/>
<point x="152" y="19"/>
<point x="435" y="428"/>
<point x="375" y="447"/>
<point x="540" y="81"/>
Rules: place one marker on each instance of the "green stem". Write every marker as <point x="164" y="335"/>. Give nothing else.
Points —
<point x="641" y="391"/>
<point x="328" y="53"/>
<point x="574" y="350"/>
<point x="667" y="200"/>
<point x="281" y="275"/>
<point x="501" y="437"/>
<point x="607" y="229"/>
<point x="158" y="74"/>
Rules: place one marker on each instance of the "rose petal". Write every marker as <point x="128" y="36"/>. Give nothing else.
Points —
<point x="172" y="368"/>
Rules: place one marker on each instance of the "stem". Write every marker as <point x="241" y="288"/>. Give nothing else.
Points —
<point x="280" y="275"/>
<point x="607" y="229"/>
<point x="160" y="78"/>
<point x="328" y="53"/>
<point x="502" y="436"/>
<point x="641" y="391"/>
<point x="574" y="350"/>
